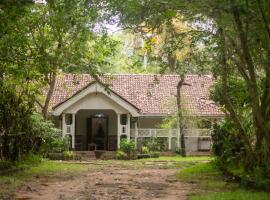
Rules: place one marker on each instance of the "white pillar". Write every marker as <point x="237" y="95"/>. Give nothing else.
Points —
<point x="136" y="132"/>
<point x="73" y="131"/>
<point x="170" y="139"/>
<point x="63" y="124"/>
<point x="178" y="136"/>
<point x="118" y="130"/>
<point x="128" y="127"/>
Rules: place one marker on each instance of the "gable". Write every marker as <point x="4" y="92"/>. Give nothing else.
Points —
<point x="95" y="96"/>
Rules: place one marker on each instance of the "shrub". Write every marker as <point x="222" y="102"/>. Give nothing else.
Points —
<point x="5" y="165"/>
<point x="145" y="150"/>
<point x="155" y="154"/>
<point x="128" y="147"/>
<point x="121" y="155"/>
<point x="49" y="137"/>
<point x="69" y="155"/>
<point x="153" y="144"/>
<point x="226" y="146"/>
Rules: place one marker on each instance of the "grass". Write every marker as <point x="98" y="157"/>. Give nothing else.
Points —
<point x="164" y="162"/>
<point x="178" y="158"/>
<point x="240" y="194"/>
<point x="206" y="176"/>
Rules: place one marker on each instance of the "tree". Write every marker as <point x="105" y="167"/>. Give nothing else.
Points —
<point x="64" y="38"/>
<point x="236" y="35"/>
<point x="37" y="42"/>
<point x="170" y="41"/>
<point x="57" y="36"/>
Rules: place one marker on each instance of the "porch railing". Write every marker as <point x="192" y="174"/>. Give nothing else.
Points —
<point x="143" y="132"/>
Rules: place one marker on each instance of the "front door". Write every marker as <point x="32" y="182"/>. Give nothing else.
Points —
<point x="98" y="132"/>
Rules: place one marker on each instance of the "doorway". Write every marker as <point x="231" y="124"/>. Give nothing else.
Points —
<point x="97" y="132"/>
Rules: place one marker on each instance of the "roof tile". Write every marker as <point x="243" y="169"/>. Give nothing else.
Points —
<point x="152" y="94"/>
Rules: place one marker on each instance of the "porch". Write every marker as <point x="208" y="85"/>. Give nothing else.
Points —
<point x="85" y="127"/>
<point x="95" y="130"/>
<point x="196" y="139"/>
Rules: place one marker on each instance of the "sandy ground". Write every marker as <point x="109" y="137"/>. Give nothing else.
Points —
<point x="110" y="183"/>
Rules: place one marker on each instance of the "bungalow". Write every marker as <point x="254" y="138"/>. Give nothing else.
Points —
<point x="96" y="115"/>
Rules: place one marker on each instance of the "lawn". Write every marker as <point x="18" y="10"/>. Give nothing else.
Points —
<point x="179" y="159"/>
<point x="214" y="186"/>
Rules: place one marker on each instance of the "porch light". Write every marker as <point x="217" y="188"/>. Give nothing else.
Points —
<point x="99" y="115"/>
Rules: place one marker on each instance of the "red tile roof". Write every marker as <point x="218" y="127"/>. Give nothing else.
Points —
<point x="152" y="94"/>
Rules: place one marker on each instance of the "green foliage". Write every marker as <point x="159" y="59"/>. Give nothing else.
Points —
<point x="227" y="146"/>
<point x="145" y="150"/>
<point x="25" y="132"/>
<point x="154" y="144"/>
<point x="239" y="194"/>
<point x="121" y="155"/>
<point x="231" y="158"/>
<point x="16" y="137"/>
<point x="51" y="137"/>
<point x="235" y="36"/>
<point x="129" y="147"/>
<point x="206" y="175"/>
<point x="154" y="154"/>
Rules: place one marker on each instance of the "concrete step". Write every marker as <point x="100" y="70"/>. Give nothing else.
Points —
<point x="86" y="155"/>
<point x="167" y="153"/>
<point x="199" y="153"/>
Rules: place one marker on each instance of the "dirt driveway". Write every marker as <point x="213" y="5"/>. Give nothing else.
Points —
<point x="111" y="182"/>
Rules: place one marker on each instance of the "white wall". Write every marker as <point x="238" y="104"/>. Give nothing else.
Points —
<point x="95" y="101"/>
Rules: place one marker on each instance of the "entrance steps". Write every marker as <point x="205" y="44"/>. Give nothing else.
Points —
<point x="94" y="155"/>
<point x="105" y="155"/>
<point x="199" y="153"/>
<point x="86" y="155"/>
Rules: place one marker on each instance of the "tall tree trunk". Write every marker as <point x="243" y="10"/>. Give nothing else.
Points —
<point x="49" y="94"/>
<point x="229" y="106"/>
<point x="259" y="122"/>
<point x="180" y="118"/>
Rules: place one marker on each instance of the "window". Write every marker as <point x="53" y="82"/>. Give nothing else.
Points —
<point x="123" y="119"/>
<point x="68" y="118"/>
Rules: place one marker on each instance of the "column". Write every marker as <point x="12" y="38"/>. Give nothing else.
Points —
<point x="118" y="130"/>
<point x="63" y="124"/>
<point x="73" y="131"/>
<point x="136" y="133"/>
<point x="178" y="136"/>
<point x="128" y="127"/>
<point x="170" y="139"/>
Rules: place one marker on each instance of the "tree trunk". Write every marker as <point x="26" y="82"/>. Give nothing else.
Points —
<point x="49" y="95"/>
<point x="259" y="121"/>
<point x="229" y="106"/>
<point x="180" y="117"/>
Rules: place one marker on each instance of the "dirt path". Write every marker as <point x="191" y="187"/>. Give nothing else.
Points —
<point x="110" y="183"/>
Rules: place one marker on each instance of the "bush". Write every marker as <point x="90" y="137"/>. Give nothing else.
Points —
<point x="121" y="155"/>
<point x="128" y="147"/>
<point x="231" y="158"/>
<point x="153" y="144"/>
<point x="50" y="138"/>
<point x="226" y="146"/>
<point x="145" y="150"/>
<point x="155" y="154"/>
<point x="5" y="165"/>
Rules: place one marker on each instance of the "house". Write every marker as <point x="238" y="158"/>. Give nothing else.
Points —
<point x="96" y="115"/>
